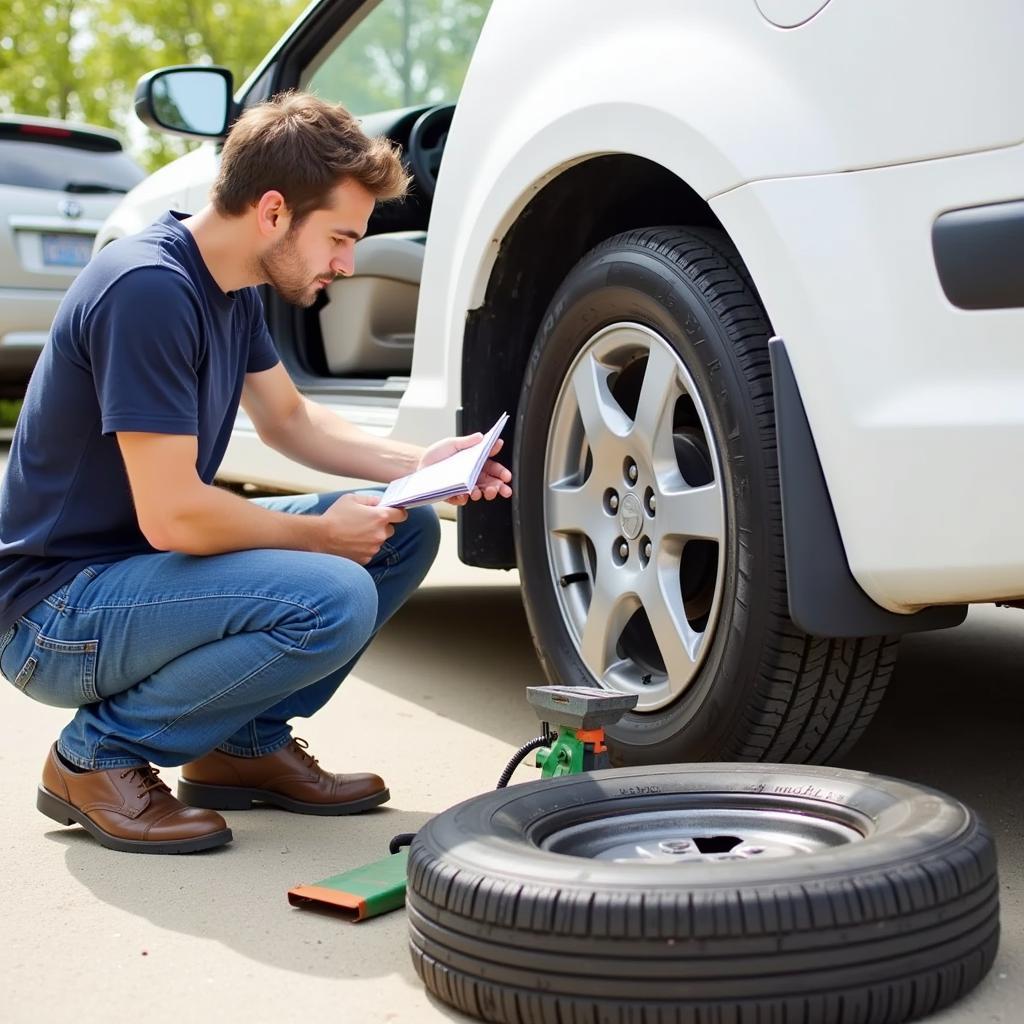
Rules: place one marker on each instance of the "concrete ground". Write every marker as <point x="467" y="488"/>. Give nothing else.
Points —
<point x="437" y="707"/>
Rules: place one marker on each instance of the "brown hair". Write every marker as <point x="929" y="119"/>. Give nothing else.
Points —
<point x="303" y="148"/>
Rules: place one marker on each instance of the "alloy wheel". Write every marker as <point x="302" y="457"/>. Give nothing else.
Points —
<point x="635" y="515"/>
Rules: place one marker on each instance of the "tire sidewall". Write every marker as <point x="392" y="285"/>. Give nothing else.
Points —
<point x="493" y="834"/>
<point x="623" y="282"/>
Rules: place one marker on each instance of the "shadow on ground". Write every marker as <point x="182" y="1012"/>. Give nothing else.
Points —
<point x="473" y="646"/>
<point x="462" y="653"/>
<point x="952" y="719"/>
<point x="235" y="895"/>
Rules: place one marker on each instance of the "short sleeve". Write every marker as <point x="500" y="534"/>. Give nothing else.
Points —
<point x="262" y="354"/>
<point x="144" y="349"/>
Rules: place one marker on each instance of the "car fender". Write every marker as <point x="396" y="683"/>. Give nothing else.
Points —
<point x="713" y="92"/>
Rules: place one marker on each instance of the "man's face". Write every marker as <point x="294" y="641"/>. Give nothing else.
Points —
<point x="306" y="260"/>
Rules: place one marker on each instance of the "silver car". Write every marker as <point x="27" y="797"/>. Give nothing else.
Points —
<point x="58" y="182"/>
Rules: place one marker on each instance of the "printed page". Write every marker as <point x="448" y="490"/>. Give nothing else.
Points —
<point x="455" y="475"/>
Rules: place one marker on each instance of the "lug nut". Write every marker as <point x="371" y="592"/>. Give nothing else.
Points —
<point x="632" y="473"/>
<point x="623" y="551"/>
<point x="674" y="846"/>
<point x="651" y="504"/>
<point x="613" y="502"/>
<point x="647" y="550"/>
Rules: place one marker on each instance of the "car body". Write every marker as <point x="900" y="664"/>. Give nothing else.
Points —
<point x="58" y="183"/>
<point x="852" y="176"/>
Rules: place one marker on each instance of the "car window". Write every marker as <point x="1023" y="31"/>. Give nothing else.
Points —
<point x="402" y="53"/>
<point x="65" y="168"/>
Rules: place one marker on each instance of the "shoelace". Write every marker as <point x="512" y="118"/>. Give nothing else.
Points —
<point x="148" y="778"/>
<point x="304" y="750"/>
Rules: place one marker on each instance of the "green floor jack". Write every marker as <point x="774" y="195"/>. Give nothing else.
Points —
<point x="578" y="714"/>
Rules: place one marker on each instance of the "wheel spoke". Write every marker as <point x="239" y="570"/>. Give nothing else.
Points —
<point x="573" y="509"/>
<point x="658" y="393"/>
<point x="600" y="413"/>
<point x="677" y="640"/>
<point x="692" y="512"/>
<point x="606" y="619"/>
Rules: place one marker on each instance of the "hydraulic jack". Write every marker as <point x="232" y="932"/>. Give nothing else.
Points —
<point x="579" y="716"/>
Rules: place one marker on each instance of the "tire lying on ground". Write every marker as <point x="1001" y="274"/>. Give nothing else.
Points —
<point x="715" y="893"/>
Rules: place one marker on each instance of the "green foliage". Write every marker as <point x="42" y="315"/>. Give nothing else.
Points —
<point x="80" y="59"/>
<point x="10" y="409"/>
<point x="37" y="72"/>
<point x="405" y="52"/>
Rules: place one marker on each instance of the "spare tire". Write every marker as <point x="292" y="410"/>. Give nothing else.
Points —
<point x="732" y="893"/>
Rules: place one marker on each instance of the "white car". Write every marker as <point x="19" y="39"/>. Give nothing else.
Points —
<point x="749" y="276"/>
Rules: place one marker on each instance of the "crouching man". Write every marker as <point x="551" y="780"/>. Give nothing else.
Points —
<point x="187" y="625"/>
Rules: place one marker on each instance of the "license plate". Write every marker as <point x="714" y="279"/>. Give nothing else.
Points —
<point x="66" y="250"/>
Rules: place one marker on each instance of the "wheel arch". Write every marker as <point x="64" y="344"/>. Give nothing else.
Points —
<point x="585" y="204"/>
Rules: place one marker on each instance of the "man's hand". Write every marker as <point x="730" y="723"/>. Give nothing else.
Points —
<point x="355" y="526"/>
<point x="494" y="477"/>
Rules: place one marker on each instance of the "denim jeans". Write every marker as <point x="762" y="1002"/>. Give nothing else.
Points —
<point x="168" y="656"/>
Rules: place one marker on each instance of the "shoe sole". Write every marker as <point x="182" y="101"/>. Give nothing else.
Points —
<point x="67" y="814"/>
<point x="239" y="798"/>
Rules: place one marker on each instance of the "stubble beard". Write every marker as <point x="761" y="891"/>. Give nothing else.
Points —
<point x="282" y="268"/>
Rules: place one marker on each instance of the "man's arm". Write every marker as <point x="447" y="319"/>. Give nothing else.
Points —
<point x="178" y="512"/>
<point x="314" y="436"/>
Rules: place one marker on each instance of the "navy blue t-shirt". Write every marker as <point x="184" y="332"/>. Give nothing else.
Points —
<point x="144" y="340"/>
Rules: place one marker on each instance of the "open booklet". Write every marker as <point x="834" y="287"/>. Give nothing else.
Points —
<point x="455" y="475"/>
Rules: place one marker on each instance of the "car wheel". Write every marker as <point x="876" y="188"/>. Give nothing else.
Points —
<point x="722" y="892"/>
<point x="648" y="518"/>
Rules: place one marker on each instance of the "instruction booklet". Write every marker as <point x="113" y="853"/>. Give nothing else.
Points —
<point x="448" y="478"/>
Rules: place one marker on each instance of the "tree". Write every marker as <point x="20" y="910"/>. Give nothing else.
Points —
<point x="405" y="52"/>
<point x="80" y="59"/>
<point x="38" y="74"/>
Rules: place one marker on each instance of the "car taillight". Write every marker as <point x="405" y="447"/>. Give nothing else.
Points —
<point x="44" y="129"/>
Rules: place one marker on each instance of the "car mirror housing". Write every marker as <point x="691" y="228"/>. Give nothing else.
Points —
<point x="194" y="101"/>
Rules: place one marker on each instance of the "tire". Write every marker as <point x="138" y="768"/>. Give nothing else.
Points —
<point x="514" y="919"/>
<point x="721" y="671"/>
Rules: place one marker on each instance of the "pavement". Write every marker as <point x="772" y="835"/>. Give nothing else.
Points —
<point x="437" y="707"/>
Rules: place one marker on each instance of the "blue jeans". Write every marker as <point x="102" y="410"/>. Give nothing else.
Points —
<point x="168" y="656"/>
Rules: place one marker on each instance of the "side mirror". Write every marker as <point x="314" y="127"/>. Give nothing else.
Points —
<point x="194" y="101"/>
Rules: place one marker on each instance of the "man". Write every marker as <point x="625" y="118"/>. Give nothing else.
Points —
<point x="187" y="625"/>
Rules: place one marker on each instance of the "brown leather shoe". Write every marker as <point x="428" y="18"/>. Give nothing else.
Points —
<point x="288" y="778"/>
<point x="127" y="809"/>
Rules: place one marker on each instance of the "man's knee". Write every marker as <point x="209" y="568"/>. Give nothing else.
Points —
<point x="348" y="602"/>
<point x="336" y="607"/>
<point x="424" y="523"/>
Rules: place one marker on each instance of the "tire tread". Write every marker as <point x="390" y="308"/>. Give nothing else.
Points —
<point x="943" y="906"/>
<point x="839" y="686"/>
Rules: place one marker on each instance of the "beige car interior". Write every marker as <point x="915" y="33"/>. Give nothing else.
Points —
<point x="369" y="320"/>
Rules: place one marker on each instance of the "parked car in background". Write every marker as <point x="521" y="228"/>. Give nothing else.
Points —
<point x="617" y="209"/>
<point x="58" y="182"/>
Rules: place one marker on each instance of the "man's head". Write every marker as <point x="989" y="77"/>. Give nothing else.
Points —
<point x="308" y="177"/>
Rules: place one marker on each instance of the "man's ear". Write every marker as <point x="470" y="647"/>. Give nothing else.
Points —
<point x="272" y="215"/>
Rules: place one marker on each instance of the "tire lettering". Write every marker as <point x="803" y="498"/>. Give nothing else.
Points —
<point x="638" y="790"/>
<point x="809" y="791"/>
